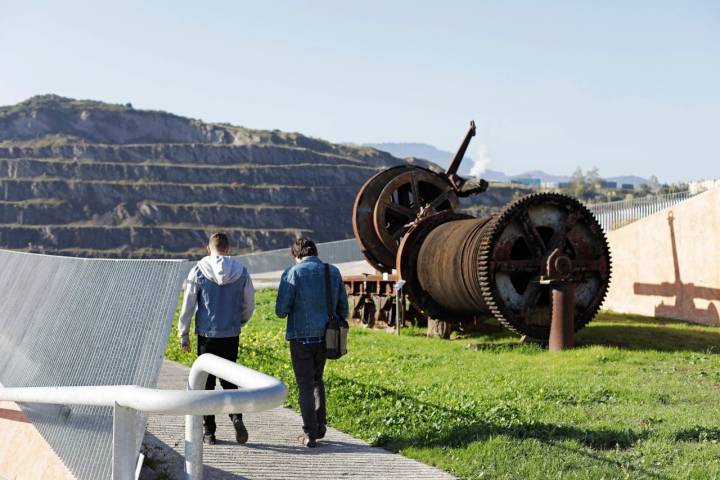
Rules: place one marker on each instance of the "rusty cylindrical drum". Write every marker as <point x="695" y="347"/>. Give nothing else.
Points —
<point x="456" y="266"/>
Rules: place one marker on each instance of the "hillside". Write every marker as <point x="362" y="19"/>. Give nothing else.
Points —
<point x="87" y="178"/>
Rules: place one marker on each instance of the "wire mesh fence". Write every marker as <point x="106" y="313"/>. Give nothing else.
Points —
<point x="74" y="321"/>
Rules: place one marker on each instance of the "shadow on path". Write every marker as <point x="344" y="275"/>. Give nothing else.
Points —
<point x="163" y="462"/>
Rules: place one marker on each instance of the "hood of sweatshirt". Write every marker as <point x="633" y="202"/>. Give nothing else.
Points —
<point x="221" y="270"/>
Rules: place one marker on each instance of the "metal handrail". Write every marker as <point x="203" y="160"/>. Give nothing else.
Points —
<point x="258" y="392"/>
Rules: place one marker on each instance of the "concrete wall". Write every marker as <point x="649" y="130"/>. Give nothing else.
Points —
<point x="668" y="264"/>
<point x="24" y="454"/>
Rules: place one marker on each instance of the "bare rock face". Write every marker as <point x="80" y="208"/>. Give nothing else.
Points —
<point x="87" y="178"/>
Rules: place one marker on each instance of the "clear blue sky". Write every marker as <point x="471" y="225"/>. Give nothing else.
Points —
<point x="629" y="87"/>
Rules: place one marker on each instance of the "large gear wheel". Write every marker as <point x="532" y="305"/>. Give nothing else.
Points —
<point x="514" y="251"/>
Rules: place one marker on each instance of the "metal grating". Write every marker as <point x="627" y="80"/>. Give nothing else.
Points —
<point x="73" y="321"/>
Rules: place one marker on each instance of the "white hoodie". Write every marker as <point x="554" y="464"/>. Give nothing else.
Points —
<point x="220" y="270"/>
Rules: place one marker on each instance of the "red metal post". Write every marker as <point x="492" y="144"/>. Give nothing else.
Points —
<point x="562" y="326"/>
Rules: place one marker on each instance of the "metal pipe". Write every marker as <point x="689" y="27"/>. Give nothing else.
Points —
<point x="149" y="400"/>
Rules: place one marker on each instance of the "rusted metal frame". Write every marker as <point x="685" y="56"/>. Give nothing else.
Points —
<point x="532" y="237"/>
<point x="402" y="210"/>
<point x="512" y="266"/>
<point x="451" y="172"/>
<point x="560" y="235"/>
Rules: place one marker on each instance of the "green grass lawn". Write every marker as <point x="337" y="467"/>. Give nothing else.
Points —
<point x="638" y="398"/>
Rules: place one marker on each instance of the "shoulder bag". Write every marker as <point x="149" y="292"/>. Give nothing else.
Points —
<point x="336" y="331"/>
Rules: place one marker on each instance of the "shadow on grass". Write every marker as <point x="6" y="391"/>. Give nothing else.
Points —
<point x="633" y="332"/>
<point x="425" y="424"/>
<point x="519" y="347"/>
<point x="629" y="332"/>
<point x="699" y="434"/>
<point x="461" y="436"/>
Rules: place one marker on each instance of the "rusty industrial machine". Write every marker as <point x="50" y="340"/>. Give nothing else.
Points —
<point x="541" y="259"/>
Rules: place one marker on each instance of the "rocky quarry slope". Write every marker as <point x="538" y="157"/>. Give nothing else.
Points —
<point x="92" y="179"/>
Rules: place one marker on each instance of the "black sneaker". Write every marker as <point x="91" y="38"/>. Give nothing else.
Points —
<point x="306" y="440"/>
<point x="322" y="430"/>
<point x="209" y="438"/>
<point x="241" y="433"/>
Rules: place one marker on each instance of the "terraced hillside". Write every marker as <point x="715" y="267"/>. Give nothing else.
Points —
<point x="91" y="179"/>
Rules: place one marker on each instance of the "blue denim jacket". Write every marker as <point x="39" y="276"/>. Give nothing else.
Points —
<point x="220" y="307"/>
<point x="301" y="297"/>
<point x="220" y="289"/>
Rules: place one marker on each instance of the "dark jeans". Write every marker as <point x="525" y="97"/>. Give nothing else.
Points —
<point x="308" y="362"/>
<point x="227" y="348"/>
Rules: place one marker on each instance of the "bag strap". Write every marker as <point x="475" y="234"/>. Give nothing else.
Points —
<point x="328" y="295"/>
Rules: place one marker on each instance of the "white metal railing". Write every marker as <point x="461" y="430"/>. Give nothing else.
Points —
<point x="613" y="215"/>
<point x="258" y="392"/>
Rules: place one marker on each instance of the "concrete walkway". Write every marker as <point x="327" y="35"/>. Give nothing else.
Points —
<point x="273" y="451"/>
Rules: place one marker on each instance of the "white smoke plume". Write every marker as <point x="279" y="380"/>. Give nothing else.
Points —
<point x="480" y="161"/>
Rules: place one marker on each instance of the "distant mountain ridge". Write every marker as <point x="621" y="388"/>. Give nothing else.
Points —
<point x="629" y="179"/>
<point x="443" y="158"/>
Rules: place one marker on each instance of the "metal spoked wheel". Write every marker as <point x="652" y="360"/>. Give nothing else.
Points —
<point x="388" y="202"/>
<point x="402" y="200"/>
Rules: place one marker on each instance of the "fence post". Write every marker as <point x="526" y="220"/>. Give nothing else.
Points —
<point x="193" y="447"/>
<point x="126" y="427"/>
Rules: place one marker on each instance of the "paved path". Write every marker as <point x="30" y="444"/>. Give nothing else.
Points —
<point x="273" y="451"/>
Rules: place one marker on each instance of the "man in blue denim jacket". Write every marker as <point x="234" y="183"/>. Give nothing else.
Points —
<point x="219" y="288"/>
<point x="301" y="297"/>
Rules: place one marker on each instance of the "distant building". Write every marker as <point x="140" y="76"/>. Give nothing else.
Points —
<point x="535" y="182"/>
<point x="606" y="184"/>
<point x="549" y="185"/>
<point x="628" y="186"/>
<point x="564" y="184"/>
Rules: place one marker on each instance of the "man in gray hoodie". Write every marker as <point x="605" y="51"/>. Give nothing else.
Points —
<point x="219" y="288"/>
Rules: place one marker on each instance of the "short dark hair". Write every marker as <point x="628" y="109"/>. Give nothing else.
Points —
<point x="220" y="241"/>
<point x="303" y="247"/>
